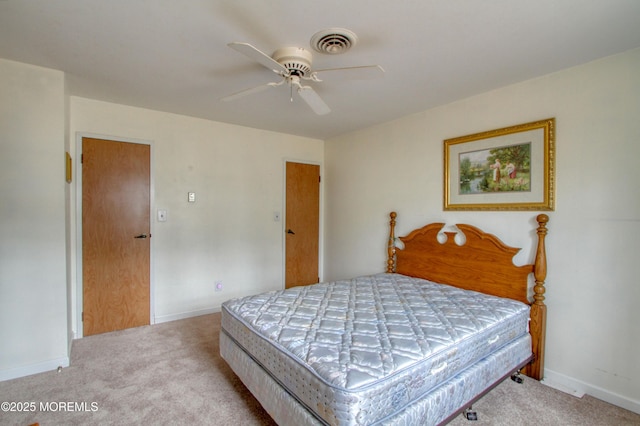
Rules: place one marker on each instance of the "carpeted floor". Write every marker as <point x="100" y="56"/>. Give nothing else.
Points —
<point x="172" y="373"/>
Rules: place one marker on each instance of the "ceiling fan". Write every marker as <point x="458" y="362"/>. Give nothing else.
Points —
<point x="293" y="65"/>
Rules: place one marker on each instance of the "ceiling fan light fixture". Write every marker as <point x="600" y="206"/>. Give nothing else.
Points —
<point x="333" y="41"/>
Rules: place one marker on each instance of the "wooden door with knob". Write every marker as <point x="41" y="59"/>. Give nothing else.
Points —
<point x="115" y="235"/>
<point x="302" y="227"/>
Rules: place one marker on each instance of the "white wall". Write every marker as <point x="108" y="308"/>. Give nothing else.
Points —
<point x="33" y="304"/>
<point x="229" y="233"/>
<point x="593" y="338"/>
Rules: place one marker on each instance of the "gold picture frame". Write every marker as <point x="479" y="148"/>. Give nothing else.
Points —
<point x="67" y="163"/>
<point x="505" y="169"/>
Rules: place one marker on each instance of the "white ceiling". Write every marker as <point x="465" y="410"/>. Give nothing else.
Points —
<point x="172" y="55"/>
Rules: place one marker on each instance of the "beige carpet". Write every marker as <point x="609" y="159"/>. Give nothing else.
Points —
<point x="172" y="373"/>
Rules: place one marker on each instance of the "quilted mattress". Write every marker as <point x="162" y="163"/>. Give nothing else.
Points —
<point x="360" y="351"/>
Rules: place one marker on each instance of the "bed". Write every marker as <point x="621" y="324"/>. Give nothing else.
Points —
<point x="417" y="344"/>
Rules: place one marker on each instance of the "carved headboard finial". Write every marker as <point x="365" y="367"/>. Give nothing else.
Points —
<point x="391" y="248"/>
<point x="540" y="267"/>
<point x="538" y="323"/>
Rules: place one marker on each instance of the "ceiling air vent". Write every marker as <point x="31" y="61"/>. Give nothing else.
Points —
<point x="333" y="41"/>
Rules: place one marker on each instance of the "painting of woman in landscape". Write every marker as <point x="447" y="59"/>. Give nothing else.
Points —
<point x="503" y="169"/>
<point x="511" y="168"/>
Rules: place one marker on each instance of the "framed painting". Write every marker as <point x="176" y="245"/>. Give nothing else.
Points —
<point x="67" y="164"/>
<point x="504" y="169"/>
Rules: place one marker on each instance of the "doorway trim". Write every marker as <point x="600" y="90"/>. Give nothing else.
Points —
<point x="284" y="218"/>
<point x="77" y="302"/>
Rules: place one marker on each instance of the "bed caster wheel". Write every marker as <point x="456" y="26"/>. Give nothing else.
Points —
<point x="470" y="414"/>
<point x="516" y="377"/>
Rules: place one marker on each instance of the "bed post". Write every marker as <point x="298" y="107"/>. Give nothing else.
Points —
<point x="538" y="323"/>
<point x="391" y="248"/>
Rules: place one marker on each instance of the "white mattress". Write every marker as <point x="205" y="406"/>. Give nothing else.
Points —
<point x="359" y="351"/>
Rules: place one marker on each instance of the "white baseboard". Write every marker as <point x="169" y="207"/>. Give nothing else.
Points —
<point x="579" y="389"/>
<point x="28" y="370"/>
<point x="184" y="315"/>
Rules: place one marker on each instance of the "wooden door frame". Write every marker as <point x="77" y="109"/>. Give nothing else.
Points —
<point x="77" y="305"/>
<point x="284" y="218"/>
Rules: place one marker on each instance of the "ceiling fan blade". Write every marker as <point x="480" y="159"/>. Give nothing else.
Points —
<point x="259" y="56"/>
<point x="313" y="100"/>
<point x="366" y="72"/>
<point x="250" y="91"/>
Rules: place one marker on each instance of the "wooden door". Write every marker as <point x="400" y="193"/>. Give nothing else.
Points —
<point x="302" y="225"/>
<point x="115" y="235"/>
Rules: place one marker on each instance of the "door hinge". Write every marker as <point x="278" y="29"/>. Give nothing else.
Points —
<point x="82" y="317"/>
<point x="319" y="179"/>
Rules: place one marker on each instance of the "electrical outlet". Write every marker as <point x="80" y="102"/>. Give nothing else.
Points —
<point x="218" y="285"/>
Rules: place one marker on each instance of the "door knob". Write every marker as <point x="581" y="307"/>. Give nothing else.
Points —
<point x="141" y="236"/>
<point x="291" y="232"/>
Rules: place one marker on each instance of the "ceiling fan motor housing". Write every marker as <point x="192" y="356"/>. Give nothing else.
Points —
<point x="296" y="59"/>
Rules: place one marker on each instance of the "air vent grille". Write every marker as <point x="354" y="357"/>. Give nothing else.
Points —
<point x="333" y="41"/>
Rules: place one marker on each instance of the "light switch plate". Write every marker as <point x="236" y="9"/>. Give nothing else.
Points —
<point x="192" y="197"/>
<point x="162" y="215"/>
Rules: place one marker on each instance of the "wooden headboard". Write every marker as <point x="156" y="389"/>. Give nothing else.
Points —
<point x="483" y="263"/>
